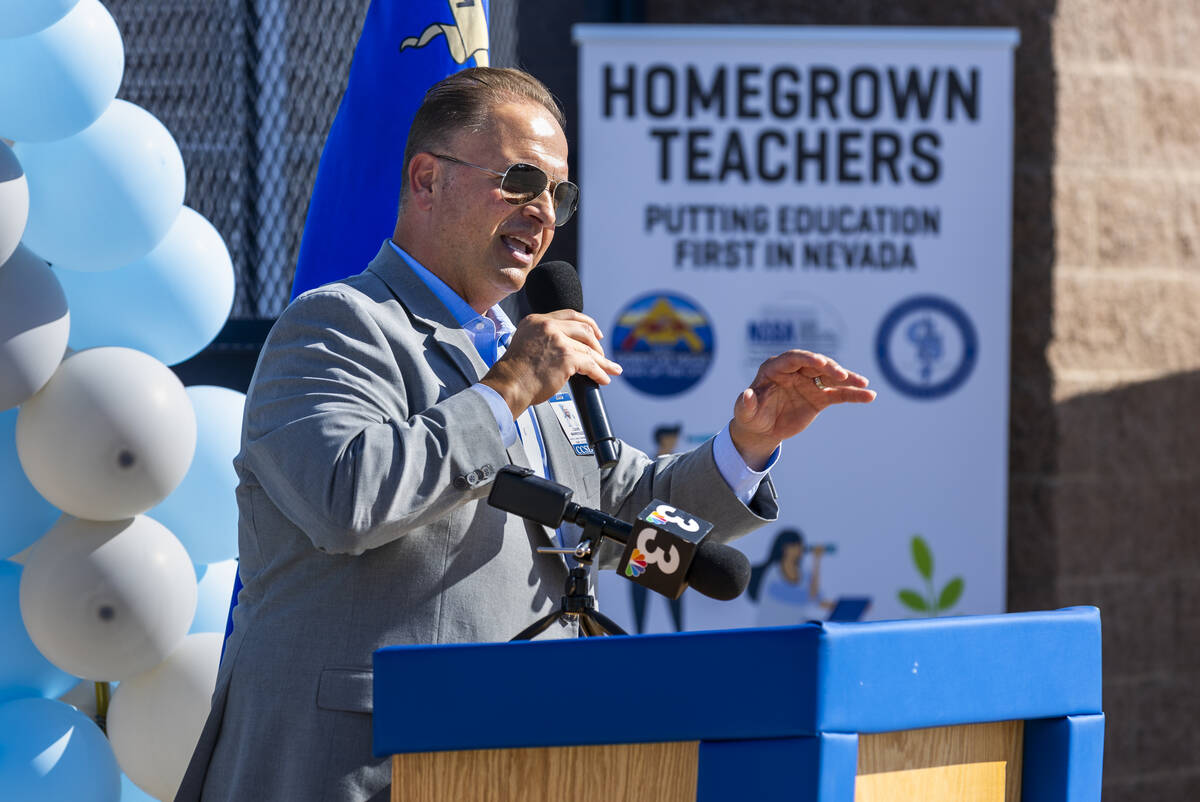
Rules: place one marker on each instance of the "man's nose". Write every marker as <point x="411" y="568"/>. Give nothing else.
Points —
<point x="543" y="207"/>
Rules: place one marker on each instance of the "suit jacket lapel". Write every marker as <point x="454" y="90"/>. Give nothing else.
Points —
<point x="428" y="312"/>
<point x="558" y="449"/>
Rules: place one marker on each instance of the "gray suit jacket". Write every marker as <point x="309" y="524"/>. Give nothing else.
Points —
<point x="364" y="471"/>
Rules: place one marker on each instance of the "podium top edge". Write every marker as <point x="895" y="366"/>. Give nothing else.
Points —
<point x="858" y="630"/>
<point x="1080" y="615"/>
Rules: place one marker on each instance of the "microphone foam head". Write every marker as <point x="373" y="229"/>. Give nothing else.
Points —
<point x="553" y="286"/>
<point x="718" y="571"/>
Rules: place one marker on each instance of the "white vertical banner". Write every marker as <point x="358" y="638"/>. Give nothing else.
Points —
<point x="747" y="190"/>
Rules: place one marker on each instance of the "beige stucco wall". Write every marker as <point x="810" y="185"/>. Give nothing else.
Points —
<point x="1124" y="355"/>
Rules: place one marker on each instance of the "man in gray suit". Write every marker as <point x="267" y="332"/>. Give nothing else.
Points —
<point x="381" y="407"/>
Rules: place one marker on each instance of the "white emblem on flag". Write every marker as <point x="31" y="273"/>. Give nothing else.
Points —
<point x="467" y="37"/>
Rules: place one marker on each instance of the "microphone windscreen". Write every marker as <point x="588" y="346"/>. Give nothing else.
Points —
<point x="553" y="286"/>
<point x="718" y="571"/>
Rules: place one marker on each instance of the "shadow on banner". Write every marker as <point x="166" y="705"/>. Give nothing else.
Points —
<point x="405" y="47"/>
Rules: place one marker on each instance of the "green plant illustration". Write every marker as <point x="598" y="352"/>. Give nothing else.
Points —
<point x="931" y="603"/>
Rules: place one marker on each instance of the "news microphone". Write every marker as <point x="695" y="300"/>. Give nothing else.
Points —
<point x="665" y="549"/>
<point x="554" y="286"/>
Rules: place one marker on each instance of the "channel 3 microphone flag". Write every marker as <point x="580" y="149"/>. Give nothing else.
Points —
<point x="406" y="47"/>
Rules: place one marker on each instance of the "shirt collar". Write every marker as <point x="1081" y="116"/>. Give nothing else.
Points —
<point x="485" y="330"/>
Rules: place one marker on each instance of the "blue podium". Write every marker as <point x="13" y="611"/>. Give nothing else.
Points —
<point x="1004" y="708"/>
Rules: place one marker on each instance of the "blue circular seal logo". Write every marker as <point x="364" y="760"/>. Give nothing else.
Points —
<point x="664" y="343"/>
<point x="926" y="347"/>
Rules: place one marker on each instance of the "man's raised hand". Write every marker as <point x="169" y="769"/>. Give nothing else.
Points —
<point x="787" y="394"/>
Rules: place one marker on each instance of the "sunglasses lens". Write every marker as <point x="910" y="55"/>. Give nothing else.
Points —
<point x="566" y="199"/>
<point x="523" y="182"/>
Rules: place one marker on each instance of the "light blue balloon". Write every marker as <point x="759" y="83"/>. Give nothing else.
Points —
<point x="202" y="510"/>
<point x="27" y="516"/>
<point x="131" y="793"/>
<point x="23" y="17"/>
<point x="213" y="593"/>
<point x="170" y="304"/>
<point x="50" y="752"/>
<point x="106" y="196"/>
<point x="24" y="672"/>
<point x="58" y="81"/>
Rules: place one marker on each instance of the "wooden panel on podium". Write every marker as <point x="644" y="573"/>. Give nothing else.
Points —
<point x="967" y="763"/>
<point x="664" y="772"/>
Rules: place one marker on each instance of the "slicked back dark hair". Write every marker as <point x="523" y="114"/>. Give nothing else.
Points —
<point x="464" y="102"/>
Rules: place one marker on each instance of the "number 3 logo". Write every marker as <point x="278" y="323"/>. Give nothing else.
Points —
<point x="667" y="560"/>
<point x="664" y="511"/>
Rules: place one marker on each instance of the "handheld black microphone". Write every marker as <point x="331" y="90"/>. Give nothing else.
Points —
<point x="679" y="556"/>
<point x="554" y="286"/>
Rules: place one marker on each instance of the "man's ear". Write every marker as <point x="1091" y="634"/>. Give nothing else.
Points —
<point x="423" y="170"/>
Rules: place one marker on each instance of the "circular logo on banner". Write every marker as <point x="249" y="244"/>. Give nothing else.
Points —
<point x="664" y="343"/>
<point x="926" y="346"/>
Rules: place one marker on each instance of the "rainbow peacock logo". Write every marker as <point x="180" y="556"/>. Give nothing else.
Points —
<point x="636" y="565"/>
<point x="658" y="518"/>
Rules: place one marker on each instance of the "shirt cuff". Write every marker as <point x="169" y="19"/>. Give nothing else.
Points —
<point x="742" y="480"/>
<point x="504" y="418"/>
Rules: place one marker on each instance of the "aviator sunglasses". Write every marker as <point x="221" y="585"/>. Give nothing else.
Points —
<point x="522" y="183"/>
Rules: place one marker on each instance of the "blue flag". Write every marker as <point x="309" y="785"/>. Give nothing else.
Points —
<point x="406" y="46"/>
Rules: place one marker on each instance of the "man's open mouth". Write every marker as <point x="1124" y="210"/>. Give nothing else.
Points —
<point x="518" y="244"/>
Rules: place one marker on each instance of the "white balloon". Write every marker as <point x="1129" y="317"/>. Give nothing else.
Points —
<point x="34" y="326"/>
<point x="155" y="718"/>
<point x="14" y="202"/>
<point x="105" y="196"/>
<point x="23" y="17"/>
<point x="109" y="436"/>
<point x="60" y="80"/>
<point x="107" y="600"/>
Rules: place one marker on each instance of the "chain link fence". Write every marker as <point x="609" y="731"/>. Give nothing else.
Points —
<point x="249" y="89"/>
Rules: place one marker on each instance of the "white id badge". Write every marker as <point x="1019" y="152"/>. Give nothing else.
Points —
<point x="568" y="417"/>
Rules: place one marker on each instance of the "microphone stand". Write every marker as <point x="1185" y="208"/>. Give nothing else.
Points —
<point x="577" y="603"/>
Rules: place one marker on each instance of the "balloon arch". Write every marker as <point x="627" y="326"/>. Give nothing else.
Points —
<point x="117" y="515"/>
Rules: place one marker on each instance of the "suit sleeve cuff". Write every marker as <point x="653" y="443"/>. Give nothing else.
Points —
<point x="742" y="480"/>
<point x="503" y="415"/>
